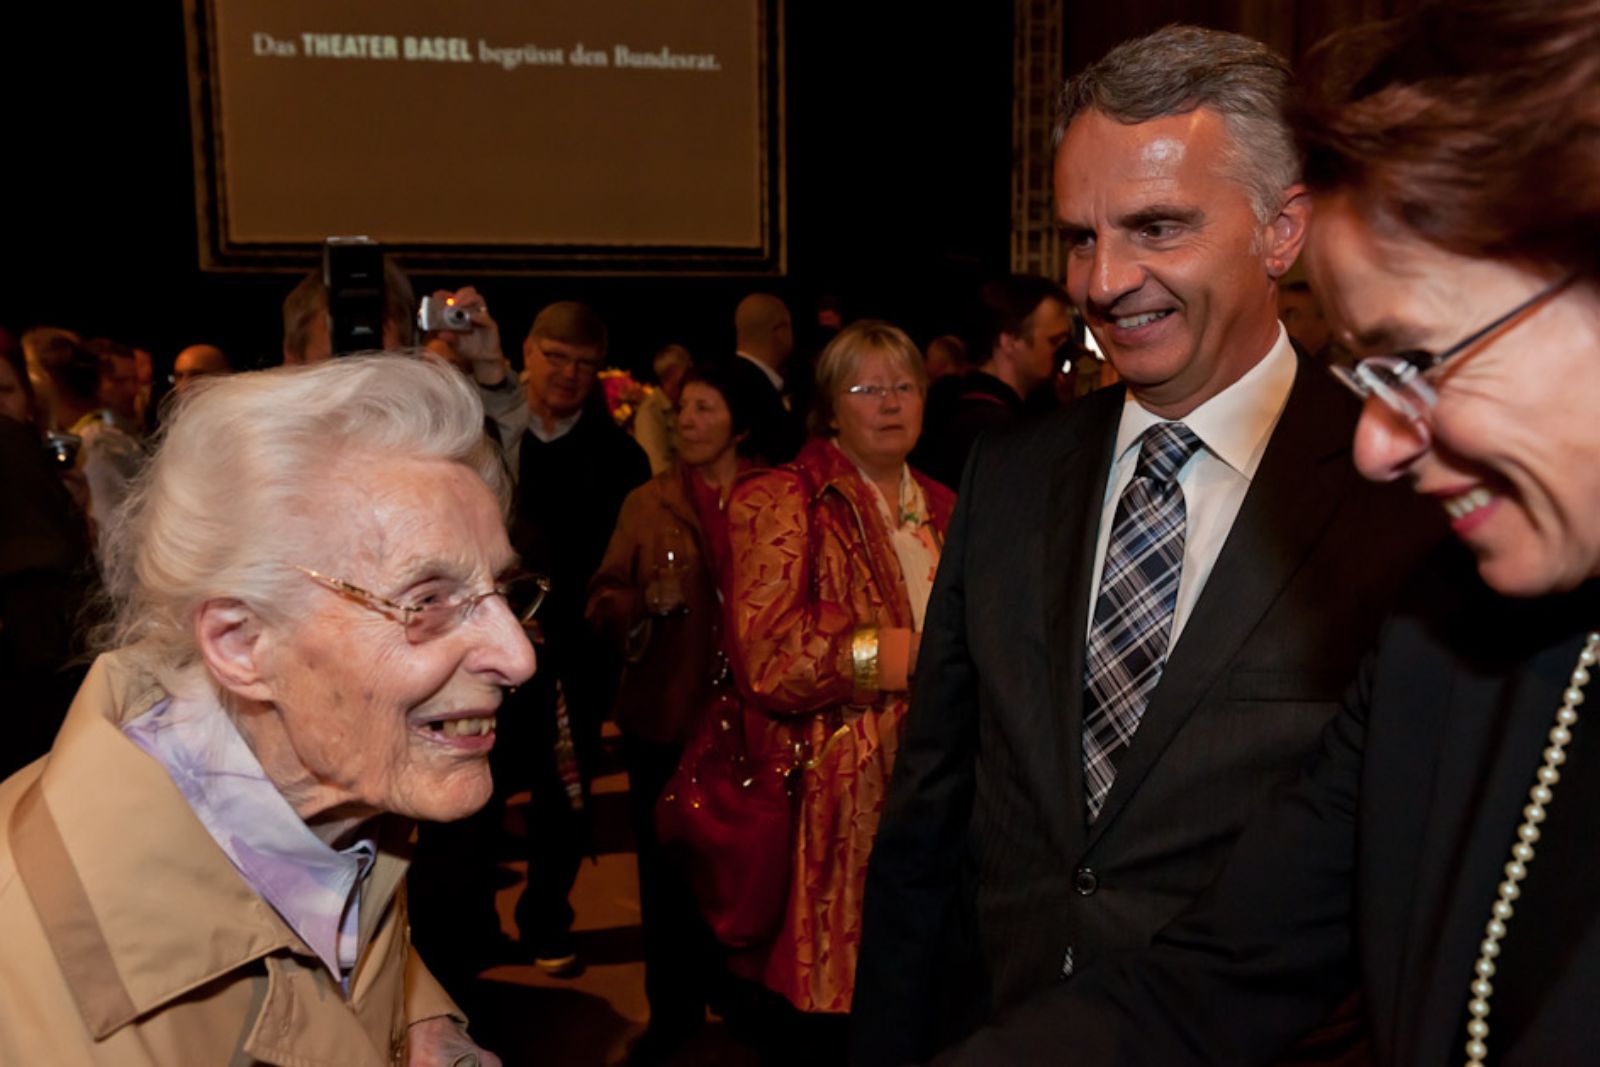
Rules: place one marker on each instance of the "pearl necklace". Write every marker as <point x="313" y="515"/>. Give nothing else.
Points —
<point x="1539" y="798"/>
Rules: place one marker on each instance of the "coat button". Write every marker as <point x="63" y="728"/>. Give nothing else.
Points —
<point x="1084" y="883"/>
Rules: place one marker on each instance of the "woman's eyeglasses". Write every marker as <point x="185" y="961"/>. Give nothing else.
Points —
<point x="901" y="391"/>
<point x="1398" y="381"/>
<point x="436" y="615"/>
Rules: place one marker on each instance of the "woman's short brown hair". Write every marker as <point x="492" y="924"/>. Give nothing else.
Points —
<point x="840" y="359"/>
<point x="1473" y="124"/>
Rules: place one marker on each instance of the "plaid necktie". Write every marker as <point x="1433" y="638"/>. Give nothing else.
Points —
<point x="1138" y="590"/>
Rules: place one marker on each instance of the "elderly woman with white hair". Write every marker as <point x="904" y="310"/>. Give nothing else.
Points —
<point x="315" y="614"/>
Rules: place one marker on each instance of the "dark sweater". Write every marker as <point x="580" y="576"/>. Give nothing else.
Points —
<point x="569" y="492"/>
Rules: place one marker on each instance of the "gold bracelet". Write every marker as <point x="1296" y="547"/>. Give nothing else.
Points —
<point x="864" y="658"/>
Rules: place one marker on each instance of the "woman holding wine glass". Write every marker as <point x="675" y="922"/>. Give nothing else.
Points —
<point x="657" y="596"/>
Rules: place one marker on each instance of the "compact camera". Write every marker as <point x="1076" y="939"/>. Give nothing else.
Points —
<point x="443" y="315"/>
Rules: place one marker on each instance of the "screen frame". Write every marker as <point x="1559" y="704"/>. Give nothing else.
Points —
<point x="219" y="254"/>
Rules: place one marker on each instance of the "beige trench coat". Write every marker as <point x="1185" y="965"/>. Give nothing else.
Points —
<point x="127" y="938"/>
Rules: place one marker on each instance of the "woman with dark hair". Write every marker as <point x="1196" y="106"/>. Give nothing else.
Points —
<point x="657" y="595"/>
<point x="1441" y="845"/>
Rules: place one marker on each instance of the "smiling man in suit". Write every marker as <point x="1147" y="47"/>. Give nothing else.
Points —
<point x="1148" y="605"/>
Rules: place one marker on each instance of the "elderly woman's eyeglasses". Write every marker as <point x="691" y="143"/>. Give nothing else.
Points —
<point x="437" y="614"/>
<point x="1398" y="381"/>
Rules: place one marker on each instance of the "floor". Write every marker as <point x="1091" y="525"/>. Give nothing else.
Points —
<point x="528" y="1017"/>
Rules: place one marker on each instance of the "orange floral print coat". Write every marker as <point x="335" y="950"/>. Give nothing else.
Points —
<point x="813" y="563"/>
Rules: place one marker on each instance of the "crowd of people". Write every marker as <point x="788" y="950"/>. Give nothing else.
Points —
<point x="669" y="590"/>
<point x="970" y="713"/>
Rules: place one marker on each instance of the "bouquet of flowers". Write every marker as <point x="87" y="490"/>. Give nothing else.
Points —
<point x="623" y="395"/>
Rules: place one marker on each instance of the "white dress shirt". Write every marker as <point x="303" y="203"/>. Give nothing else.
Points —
<point x="1234" y="426"/>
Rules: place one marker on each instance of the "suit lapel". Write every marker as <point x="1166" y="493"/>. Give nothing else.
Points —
<point x="1077" y="491"/>
<point x="1303" y="476"/>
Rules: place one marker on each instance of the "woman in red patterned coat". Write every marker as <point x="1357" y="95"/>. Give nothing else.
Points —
<point x="833" y="561"/>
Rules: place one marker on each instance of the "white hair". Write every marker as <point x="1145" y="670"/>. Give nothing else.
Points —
<point x="223" y="506"/>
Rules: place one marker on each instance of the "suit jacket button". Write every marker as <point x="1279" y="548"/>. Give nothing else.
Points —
<point x="1084" y="882"/>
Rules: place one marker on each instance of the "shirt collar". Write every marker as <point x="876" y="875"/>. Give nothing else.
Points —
<point x="548" y="430"/>
<point x="1234" y="425"/>
<point x="772" y="376"/>
<point x="311" y="885"/>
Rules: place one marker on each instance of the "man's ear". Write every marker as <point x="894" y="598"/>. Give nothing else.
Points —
<point x="233" y="643"/>
<point x="1006" y="342"/>
<point x="1286" y="234"/>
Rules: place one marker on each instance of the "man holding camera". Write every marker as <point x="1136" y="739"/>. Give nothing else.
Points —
<point x="572" y="466"/>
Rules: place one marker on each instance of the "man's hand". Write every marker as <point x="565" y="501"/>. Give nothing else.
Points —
<point x="440" y="1042"/>
<point x="477" y="350"/>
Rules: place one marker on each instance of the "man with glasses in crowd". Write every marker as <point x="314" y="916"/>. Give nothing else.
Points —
<point x="572" y="466"/>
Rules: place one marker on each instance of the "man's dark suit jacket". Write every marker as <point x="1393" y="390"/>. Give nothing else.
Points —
<point x="776" y="431"/>
<point x="985" y="874"/>
<point x="1387" y="851"/>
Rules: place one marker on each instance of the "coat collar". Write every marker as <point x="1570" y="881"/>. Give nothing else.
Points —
<point x="831" y="468"/>
<point x="827" y="471"/>
<point x="135" y="928"/>
<point x="830" y="472"/>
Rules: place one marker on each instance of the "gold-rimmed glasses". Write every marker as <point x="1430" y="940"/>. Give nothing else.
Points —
<point x="437" y="614"/>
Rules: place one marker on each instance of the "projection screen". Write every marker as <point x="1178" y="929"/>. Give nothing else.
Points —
<point x="563" y="135"/>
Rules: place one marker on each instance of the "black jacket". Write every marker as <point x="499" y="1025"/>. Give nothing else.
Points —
<point x="959" y="409"/>
<point x="1383" y="861"/>
<point x="985" y="876"/>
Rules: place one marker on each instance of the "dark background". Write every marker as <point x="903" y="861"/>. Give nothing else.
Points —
<point x="898" y="144"/>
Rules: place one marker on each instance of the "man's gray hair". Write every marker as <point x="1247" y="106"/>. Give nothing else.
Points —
<point x="1178" y="69"/>
<point x="236" y="494"/>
